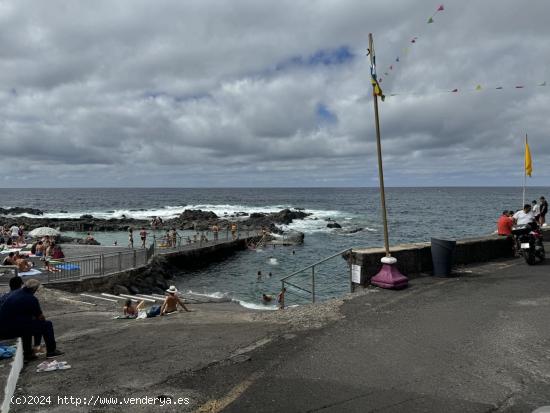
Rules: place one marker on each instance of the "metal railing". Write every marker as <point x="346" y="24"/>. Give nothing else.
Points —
<point x="310" y="282"/>
<point x="110" y="263"/>
<point x="99" y="264"/>
<point x="6" y="272"/>
<point x="164" y="245"/>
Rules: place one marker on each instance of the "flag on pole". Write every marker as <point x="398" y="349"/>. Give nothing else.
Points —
<point x="528" y="162"/>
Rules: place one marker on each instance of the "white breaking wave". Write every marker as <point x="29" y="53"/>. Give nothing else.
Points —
<point x="226" y="297"/>
<point x="316" y="222"/>
<point x="254" y="306"/>
<point x="273" y="261"/>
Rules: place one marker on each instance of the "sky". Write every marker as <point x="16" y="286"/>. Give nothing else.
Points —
<point x="211" y="93"/>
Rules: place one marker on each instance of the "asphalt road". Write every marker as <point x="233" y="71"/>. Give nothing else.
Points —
<point x="479" y="342"/>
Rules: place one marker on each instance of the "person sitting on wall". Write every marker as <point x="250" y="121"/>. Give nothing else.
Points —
<point x="505" y="224"/>
<point x="524" y="216"/>
<point x="21" y="316"/>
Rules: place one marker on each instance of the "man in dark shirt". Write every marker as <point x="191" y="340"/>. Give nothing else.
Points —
<point x="543" y="211"/>
<point x="15" y="284"/>
<point x="21" y="316"/>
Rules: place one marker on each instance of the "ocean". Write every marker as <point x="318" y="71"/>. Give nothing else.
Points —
<point x="414" y="214"/>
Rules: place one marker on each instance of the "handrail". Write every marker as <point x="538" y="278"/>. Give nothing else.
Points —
<point x="285" y="282"/>
<point x="317" y="263"/>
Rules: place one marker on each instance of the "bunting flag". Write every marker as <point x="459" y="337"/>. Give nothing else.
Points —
<point x="477" y="89"/>
<point x="377" y="90"/>
<point x="413" y="40"/>
<point x="528" y="161"/>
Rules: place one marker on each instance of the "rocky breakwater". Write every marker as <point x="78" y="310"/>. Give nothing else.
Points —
<point x="188" y="220"/>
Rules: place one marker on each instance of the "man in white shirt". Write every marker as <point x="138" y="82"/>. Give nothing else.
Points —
<point x="524" y="216"/>
<point x="14" y="232"/>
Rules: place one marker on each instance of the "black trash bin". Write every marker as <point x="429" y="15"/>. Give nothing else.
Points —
<point x="442" y="256"/>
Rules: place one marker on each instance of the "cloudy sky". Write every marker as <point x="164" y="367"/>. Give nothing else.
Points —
<point x="255" y="93"/>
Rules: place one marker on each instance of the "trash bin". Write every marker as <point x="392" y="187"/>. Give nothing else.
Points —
<point x="442" y="256"/>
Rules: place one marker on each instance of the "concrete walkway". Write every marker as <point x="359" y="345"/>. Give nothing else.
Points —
<point x="478" y="343"/>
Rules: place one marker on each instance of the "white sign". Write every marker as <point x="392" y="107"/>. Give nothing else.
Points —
<point x="356" y="274"/>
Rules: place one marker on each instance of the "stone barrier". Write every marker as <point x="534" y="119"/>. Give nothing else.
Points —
<point x="416" y="259"/>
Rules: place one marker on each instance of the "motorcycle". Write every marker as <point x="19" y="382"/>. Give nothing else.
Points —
<point x="529" y="242"/>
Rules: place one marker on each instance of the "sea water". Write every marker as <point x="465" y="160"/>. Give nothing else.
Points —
<point x="414" y="214"/>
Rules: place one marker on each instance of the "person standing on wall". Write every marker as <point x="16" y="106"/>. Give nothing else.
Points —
<point x="543" y="209"/>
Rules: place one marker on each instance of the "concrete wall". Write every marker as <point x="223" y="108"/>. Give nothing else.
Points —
<point x="416" y="259"/>
<point x="181" y="260"/>
<point x="13" y="376"/>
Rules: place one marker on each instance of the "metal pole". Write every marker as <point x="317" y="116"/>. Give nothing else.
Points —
<point x="524" y="170"/>
<point x="379" y="152"/>
<point x="313" y="284"/>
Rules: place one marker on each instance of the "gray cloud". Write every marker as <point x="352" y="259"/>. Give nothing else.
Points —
<point x="208" y="93"/>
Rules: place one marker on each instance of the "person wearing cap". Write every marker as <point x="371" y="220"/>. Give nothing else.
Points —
<point x="21" y="316"/>
<point x="171" y="301"/>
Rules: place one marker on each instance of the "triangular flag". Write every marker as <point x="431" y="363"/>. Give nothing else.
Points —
<point x="380" y="80"/>
<point x="441" y="8"/>
<point x="478" y="87"/>
<point x="397" y="59"/>
<point x="413" y="40"/>
<point x="430" y="20"/>
<point x="528" y="162"/>
<point x="386" y="74"/>
<point x="499" y="88"/>
<point x="543" y="84"/>
<point x="454" y="90"/>
<point x="519" y="87"/>
<point x="391" y="67"/>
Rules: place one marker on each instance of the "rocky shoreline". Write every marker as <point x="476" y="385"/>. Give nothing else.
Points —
<point x="188" y="220"/>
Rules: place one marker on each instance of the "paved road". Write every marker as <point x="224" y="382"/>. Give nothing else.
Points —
<point x="477" y="343"/>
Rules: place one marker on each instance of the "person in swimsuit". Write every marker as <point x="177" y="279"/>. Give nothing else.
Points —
<point x="131" y="310"/>
<point x="143" y="236"/>
<point x="130" y="237"/>
<point x="172" y="301"/>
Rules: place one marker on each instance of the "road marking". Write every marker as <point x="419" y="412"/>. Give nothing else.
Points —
<point x="217" y="405"/>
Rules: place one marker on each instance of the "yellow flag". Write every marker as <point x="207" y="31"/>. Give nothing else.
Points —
<point x="528" y="162"/>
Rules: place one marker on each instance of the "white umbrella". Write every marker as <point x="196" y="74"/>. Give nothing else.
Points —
<point x="43" y="231"/>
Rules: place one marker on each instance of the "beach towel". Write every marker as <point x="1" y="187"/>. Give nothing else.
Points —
<point x="7" y="251"/>
<point x="7" y="352"/>
<point x="29" y="273"/>
<point x="68" y="266"/>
